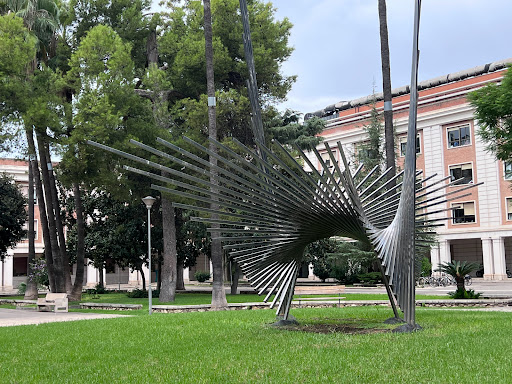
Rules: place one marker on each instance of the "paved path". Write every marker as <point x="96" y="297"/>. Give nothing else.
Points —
<point x="12" y="317"/>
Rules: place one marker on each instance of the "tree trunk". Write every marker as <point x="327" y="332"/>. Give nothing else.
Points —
<point x="143" y="277"/>
<point x="42" y="211"/>
<point x="235" y="277"/>
<point x="76" y="292"/>
<point x="60" y="281"/>
<point x="168" y="275"/>
<point x="218" y="293"/>
<point x="31" y="291"/>
<point x="101" y="283"/>
<point x="180" y="284"/>
<point x="461" y="284"/>
<point x="386" y="87"/>
<point x="159" y="273"/>
<point x="58" y="222"/>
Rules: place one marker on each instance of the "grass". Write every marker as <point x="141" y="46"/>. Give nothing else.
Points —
<point x="206" y="298"/>
<point x="239" y="347"/>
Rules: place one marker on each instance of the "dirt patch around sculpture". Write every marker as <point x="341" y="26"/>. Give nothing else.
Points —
<point x="345" y="326"/>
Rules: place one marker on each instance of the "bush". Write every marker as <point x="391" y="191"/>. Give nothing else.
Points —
<point x="462" y="294"/>
<point x="142" y="293"/>
<point x="343" y="274"/>
<point x="370" y="278"/>
<point x="202" y="276"/>
<point x="22" y="288"/>
<point x="426" y="267"/>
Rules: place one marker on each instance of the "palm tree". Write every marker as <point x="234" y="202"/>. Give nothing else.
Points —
<point x="458" y="270"/>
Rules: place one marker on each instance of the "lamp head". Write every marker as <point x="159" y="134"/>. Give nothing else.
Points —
<point x="148" y="200"/>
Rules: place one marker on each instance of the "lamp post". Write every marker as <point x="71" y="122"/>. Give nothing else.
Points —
<point x="149" y="200"/>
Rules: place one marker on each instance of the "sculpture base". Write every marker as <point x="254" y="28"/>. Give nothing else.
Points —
<point x="407" y="328"/>
<point x="284" y="323"/>
<point x="394" y="320"/>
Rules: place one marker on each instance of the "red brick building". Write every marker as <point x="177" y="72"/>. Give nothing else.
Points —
<point x="481" y="230"/>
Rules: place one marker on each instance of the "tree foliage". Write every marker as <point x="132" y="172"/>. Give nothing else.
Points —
<point x="13" y="215"/>
<point x="493" y="112"/>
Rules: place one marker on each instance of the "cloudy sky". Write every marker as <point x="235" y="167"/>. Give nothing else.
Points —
<point x="337" y="46"/>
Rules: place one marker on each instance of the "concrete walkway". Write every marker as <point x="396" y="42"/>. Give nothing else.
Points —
<point x="13" y="317"/>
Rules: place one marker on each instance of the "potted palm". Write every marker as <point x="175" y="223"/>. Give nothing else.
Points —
<point x="458" y="270"/>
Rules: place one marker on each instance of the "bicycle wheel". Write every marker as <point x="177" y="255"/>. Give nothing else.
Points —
<point x="468" y="280"/>
<point x="421" y="282"/>
<point x="434" y="282"/>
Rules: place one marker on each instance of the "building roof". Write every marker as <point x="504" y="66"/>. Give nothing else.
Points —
<point x="333" y="109"/>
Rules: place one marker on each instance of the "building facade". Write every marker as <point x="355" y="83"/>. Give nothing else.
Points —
<point x="13" y="269"/>
<point x="480" y="227"/>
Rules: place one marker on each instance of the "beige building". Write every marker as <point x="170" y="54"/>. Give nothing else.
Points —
<point x="447" y="145"/>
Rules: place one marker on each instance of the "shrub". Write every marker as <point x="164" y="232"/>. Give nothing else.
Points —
<point x="426" y="267"/>
<point x="370" y="278"/>
<point x="39" y="273"/>
<point x="202" y="276"/>
<point x="22" y="288"/>
<point x="142" y="293"/>
<point x="463" y="294"/>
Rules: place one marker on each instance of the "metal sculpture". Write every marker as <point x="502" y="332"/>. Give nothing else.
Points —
<point x="270" y="208"/>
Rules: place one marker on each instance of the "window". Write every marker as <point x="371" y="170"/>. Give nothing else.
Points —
<point x="403" y="145"/>
<point x="459" y="136"/>
<point x="509" y="208"/>
<point x="463" y="213"/>
<point x="462" y="171"/>
<point x="507" y="166"/>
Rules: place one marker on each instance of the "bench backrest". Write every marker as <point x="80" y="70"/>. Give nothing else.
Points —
<point x="319" y="289"/>
<point x="56" y="296"/>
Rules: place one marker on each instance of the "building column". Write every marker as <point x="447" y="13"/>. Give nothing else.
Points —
<point x="7" y="272"/>
<point x="186" y="275"/>
<point x="498" y="248"/>
<point x="444" y="253"/>
<point x="435" y="258"/>
<point x="311" y="275"/>
<point x="211" y="269"/>
<point x="92" y="278"/>
<point x="133" y="277"/>
<point x="487" y="253"/>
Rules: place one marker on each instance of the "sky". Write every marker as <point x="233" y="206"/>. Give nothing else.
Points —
<point x="337" y="44"/>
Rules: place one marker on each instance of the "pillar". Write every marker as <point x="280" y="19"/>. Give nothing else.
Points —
<point x="134" y="278"/>
<point x="498" y="248"/>
<point x="435" y="258"/>
<point x="186" y="275"/>
<point x="92" y="278"/>
<point x="487" y="253"/>
<point x="444" y="253"/>
<point x="7" y="272"/>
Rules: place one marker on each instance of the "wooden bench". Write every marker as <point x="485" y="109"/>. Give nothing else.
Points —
<point x="319" y="289"/>
<point x="333" y="291"/>
<point x="57" y="301"/>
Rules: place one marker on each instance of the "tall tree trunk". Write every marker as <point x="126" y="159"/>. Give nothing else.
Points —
<point x="218" y="293"/>
<point x="180" y="283"/>
<point x="235" y="277"/>
<point x="31" y="291"/>
<point x="168" y="275"/>
<point x="386" y="87"/>
<point x="76" y="292"/>
<point x="58" y="221"/>
<point x="60" y="281"/>
<point x="143" y="277"/>
<point x="159" y="275"/>
<point x="101" y="283"/>
<point x="42" y="211"/>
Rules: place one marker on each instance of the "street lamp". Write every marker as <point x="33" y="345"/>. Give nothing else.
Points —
<point x="149" y="200"/>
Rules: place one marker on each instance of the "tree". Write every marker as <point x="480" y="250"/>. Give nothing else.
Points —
<point x="493" y="105"/>
<point x="218" y="293"/>
<point x="458" y="270"/>
<point x="13" y="215"/>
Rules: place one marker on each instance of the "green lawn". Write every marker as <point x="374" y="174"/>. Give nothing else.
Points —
<point x="206" y="298"/>
<point x="239" y="347"/>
